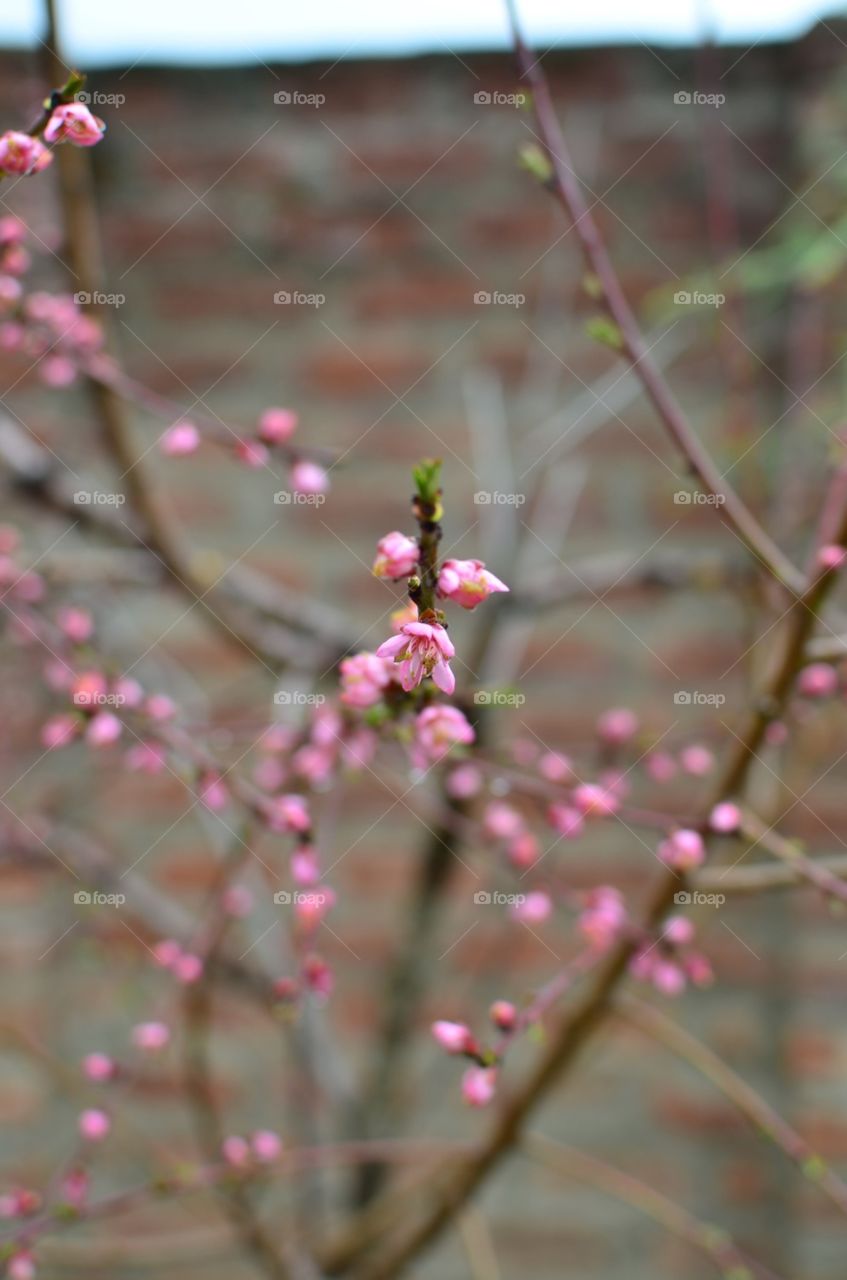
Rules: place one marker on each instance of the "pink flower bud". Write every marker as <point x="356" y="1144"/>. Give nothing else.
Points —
<point x="831" y="557"/>
<point x="534" y="909"/>
<point x="555" y="767"/>
<point x="595" y="801"/>
<point x="463" y="782"/>
<point x="76" y="624"/>
<point x="364" y="676"/>
<point x="288" y="813"/>
<point x="160" y="707"/>
<point x="668" y="978"/>
<point x="187" y="968"/>
<point x="467" y="582"/>
<point x="57" y="371"/>
<point x="524" y="851"/>
<point x="818" y="680"/>
<point x="454" y="1037"/>
<point x="94" y="1125"/>
<point x="683" y="850"/>
<point x="660" y="766"/>
<point x="697" y="760"/>
<point x="396" y="556"/>
<point x="252" y="453"/>
<point x="504" y="1015"/>
<point x="304" y="866"/>
<point x="22" y="154"/>
<point x="308" y="477"/>
<point x="89" y="690"/>
<point x="58" y="732"/>
<point x="725" y="818"/>
<point x="73" y="122"/>
<point x="98" y="1067"/>
<point x="103" y="729"/>
<point x="311" y="906"/>
<point x="213" y="792"/>
<point x="21" y="1266"/>
<point x="277" y="425"/>
<point x="180" y="440"/>
<point x="566" y="820"/>
<point x="267" y="1146"/>
<point x="437" y="730"/>
<point x="502" y="821"/>
<point x="678" y="930"/>
<point x="237" y="901"/>
<point x="235" y="1152"/>
<point x="150" y="1036"/>
<point x="617" y="725"/>
<point x="479" y="1085"/>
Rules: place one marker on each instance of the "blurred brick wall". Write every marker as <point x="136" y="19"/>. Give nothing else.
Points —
<point x="398" y="199"/>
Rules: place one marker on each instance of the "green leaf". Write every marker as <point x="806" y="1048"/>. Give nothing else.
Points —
<point x="604" y="330"/>
<point x="536" y="162"/>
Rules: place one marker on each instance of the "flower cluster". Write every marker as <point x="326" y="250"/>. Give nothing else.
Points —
<point x="25" y="153"/>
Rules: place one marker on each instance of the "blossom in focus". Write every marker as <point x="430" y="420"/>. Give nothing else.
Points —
<point x="73" y="122"/>
<point x="363" y="678"/>
<point x="396" y="556"/>
<point x="439" y="728"/>
<point x="467" y="582"/>
<point x="22" y="154"/>
<point x="422" y="649"/>
<point x="683" y="850"/>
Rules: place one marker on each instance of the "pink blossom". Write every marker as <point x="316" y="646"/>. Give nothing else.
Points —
<point x="76" y="624"/>
<point x="818" y="680"/>
<point x="595" y="800"/>
<point x="396" y="556"/>
<point x="74" y="1187"/>
<point x="422" y="649"/>
<point x="438" y="729"/>
<point x="683" y="850"/>
<point x="89" y="689"/>
<point x="146" y="757"/>
<point x="267" y="1146"/>
<point x="213" y="791"/>
<point x="725" y="818"/>
<point x="502" y="821"/>
<point x="187" y="968"/>
<point x="308" y="477"/>
<point x="831" y="556"/>
<point x="21" y="1266"/>
<point x="277" y="425"/>
<point x="464" y="781"/>
<point x="534" y="909"/>
<point x="57" y="371"/>
<point x="668" y="978"/>
<point x="150" y="1036"/>
<point x="363" y="678"/>
<point x="160" y="707"/>
<point x="58" y="732"/>
<point x="479" y="1085"/>
<point x="235" y="1151"/>
<point x="73" y="122"/>
<point x="305" y="868"/>
<point x="237" y="901"/>
<point x="454" y="1037"/>
<point x="129" y="691"/>
<point x="180" y="439"/>
<point x="103" y="729"/>
<point x="678" y="930"/>
<point x="467" y="582"/>
<point x="503" y="1014"/>
<point x="21" y="154"/>
<point x="94" y="1125"/>
<point x="523" y="851"/>
<point x="311" y="907"/>
<point x="566" y="820"/>
<point x="318" y="976"/>
<point x="660" y="766"/>
<point x="98" y="1067"/>
<point x="617" y="725"/>
<point x="555" y="767"/>
<point x="167" y="952"/>
<point x="604" y="917"/>
<point x="697" y="760"/>
<point x="288" y="813"/>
